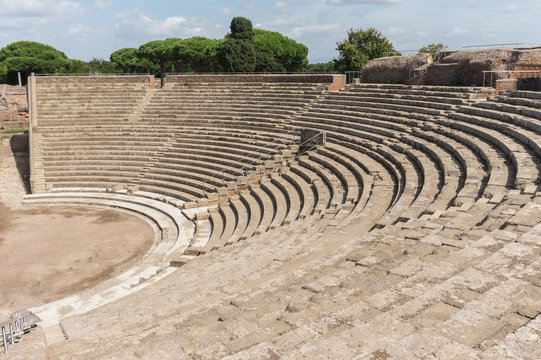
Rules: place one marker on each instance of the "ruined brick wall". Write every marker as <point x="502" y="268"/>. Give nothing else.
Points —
<point x="469" y="65"/>
<point x="13" y="107"/>
<point x="393" y="69"/>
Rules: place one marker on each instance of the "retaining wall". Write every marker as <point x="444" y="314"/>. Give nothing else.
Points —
<point x="335" y="81"/>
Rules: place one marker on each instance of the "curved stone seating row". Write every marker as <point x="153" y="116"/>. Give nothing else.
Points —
<point x="241" y="102"/>
<point x="76" y="103"/>
<point x="417" y="314"/>
<point x="435" y="253"/>
<point x="330" y="184"/>
<point x="173" y="234"/>
<point x="192" y="160"/>
<point x="380" y="117"/>
<point x="493" y="169"/>
<point x="409" y="182"/>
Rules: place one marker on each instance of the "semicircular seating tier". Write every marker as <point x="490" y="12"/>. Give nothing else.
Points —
<point x="414" y="177"/>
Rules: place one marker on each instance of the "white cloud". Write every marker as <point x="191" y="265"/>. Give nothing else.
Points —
<point x="457" y="30"/>
<point x="358" y="2"/>
<point x="281" y="7"/>
<point x="292" y="22"/>
<point x="103" y="4"/>
<point x="24" y="14"/>
<point x="395" y="31"/>
<point x="225" y="12"/>
<point x="422" y="33"/>
<point x="33" y="8"/>
<point x="314" y="30"/>
<point x="135" y="24"/>
<point x="78" y="31"/>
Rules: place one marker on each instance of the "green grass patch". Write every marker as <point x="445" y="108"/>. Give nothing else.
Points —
<point x="14" y="131"/>
<point x="7" y="134"/>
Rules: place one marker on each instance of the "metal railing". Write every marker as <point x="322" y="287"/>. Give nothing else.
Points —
<point x="415" y="72"/>
<point x="351" y="75"/>
<point x="400" y="52"/>
<point x="258" y="160"/>
<point x="488" y="46"/>
<point x="268" y="151"/>
<point x="506" y="74"/>
<point x="12" y="330"/>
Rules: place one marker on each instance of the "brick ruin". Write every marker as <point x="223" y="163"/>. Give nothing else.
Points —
<point x="463" y="68"/>
<point x="13" y="107"/>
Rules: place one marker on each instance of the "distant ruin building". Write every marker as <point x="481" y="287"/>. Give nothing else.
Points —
<point x="464" y="67"/>
<point x="394" y="69"/>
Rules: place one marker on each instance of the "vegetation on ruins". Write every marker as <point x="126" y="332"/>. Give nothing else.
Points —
<point x="360" y="47"/>
<point x="432" y="49"/>
<point x="29" y="56"/>
<point x="238" y="50"/>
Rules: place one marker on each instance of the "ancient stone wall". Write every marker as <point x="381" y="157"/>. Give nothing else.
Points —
<point x="393" y="69"/>
<point x="454" y="67"/>
<point x="469" y="65"/>
<point x="66" y="80"/>
<point x="335" y="81"/>
<point x="13" y="107"/>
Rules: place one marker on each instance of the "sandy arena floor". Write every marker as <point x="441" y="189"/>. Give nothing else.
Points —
<point x="52" y="252"/>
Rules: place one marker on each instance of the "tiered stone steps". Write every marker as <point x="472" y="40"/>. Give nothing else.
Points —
<point x="413" y="233"/>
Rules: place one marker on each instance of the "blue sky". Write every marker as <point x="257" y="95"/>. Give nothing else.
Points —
<point x="84" y="29"/>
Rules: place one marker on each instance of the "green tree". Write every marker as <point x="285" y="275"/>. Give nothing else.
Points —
<point x="238" y="50"/>
<point x="198" y="54"/>
<point x="3" y="73"/>
<point x="242" y="29"/>
<point x="102" y="66"/>
<point x="127" y="60"/>
<point x="432" y="49"/>
<point x="278" y="53"/>
<point x="360" y="47"/>
<point x="29" y="56"/>
<point x="161" y="52"/>
<point x="327" y="67"/>
<point x="77" y="67"/>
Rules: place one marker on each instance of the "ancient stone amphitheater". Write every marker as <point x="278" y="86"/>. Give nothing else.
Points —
<point x="404" y="225"/>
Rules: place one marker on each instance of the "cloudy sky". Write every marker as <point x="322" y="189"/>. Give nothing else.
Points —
<point x="84" y="29"/>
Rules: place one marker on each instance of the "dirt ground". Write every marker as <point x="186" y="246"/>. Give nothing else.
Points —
<point x="49" y="252"/>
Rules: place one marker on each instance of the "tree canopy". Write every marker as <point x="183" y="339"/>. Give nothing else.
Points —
<point x="29" y="56"/>
<point x="238" y="50"/>
<point x="244" y="49"/>
<point x="327" y="67"/>
<point x="432" y="49"/>
<point x="242" y="29"/>
<point x="127" y="60"/>
<point x="162" y="52"/>
<point x="278" y="53"/>
<point x="360" y="47"/>
<point x="198" y="54"/>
